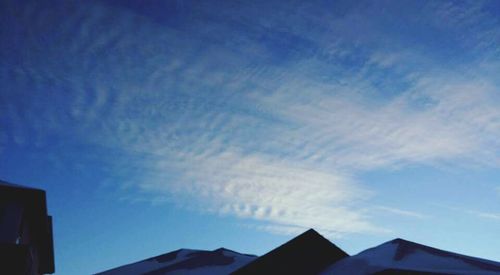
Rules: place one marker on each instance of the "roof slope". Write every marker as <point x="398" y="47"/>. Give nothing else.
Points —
<point x="404" y="257"/>
<point x="308" y="253"/>
<point x="13" y="185"/>
<point x="186" y="261"/>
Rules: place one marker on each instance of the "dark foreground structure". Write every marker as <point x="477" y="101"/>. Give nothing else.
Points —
<point x="26" y="243"/>
<point x="310" y="254"/>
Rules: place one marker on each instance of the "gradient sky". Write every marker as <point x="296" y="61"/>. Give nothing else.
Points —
<point x="156" y="125"/>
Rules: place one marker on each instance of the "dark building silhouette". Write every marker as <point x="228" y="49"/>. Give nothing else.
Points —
<point x="394" y="271"/>
<point x="26" y="244"/>
<point x="308" y="253"/>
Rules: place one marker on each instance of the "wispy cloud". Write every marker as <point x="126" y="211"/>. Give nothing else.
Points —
<point x="261" y="120"/>
<point x="400" y="212"/>
<point x="485" y="215"/>
<point x="264" y="188"/>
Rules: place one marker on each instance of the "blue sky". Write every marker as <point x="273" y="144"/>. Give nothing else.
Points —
<point x="156" y="125"/>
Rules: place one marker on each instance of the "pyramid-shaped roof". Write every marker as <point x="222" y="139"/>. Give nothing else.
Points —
<point x="307" y="253"/>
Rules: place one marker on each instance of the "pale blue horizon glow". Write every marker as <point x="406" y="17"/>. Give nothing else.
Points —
<point x="184" y="124"/>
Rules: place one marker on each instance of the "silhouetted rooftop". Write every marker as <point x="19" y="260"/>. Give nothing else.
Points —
<point x="307" y="253"/>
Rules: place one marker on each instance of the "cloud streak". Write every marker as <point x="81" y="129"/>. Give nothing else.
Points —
<point x="259" y="120"/>
<point x="267" y="189"/>
<point x="485" y="215"/>
<point x="400" y="212"/>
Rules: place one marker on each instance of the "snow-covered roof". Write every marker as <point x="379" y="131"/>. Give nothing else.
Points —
<point x="400" y="254"/>
<point x="186" y="261"/>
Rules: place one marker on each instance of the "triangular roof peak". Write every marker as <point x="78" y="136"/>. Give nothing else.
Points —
<point x="307" y="253"/>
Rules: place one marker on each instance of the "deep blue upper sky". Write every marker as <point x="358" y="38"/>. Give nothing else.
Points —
<point x="156" y="125"/>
